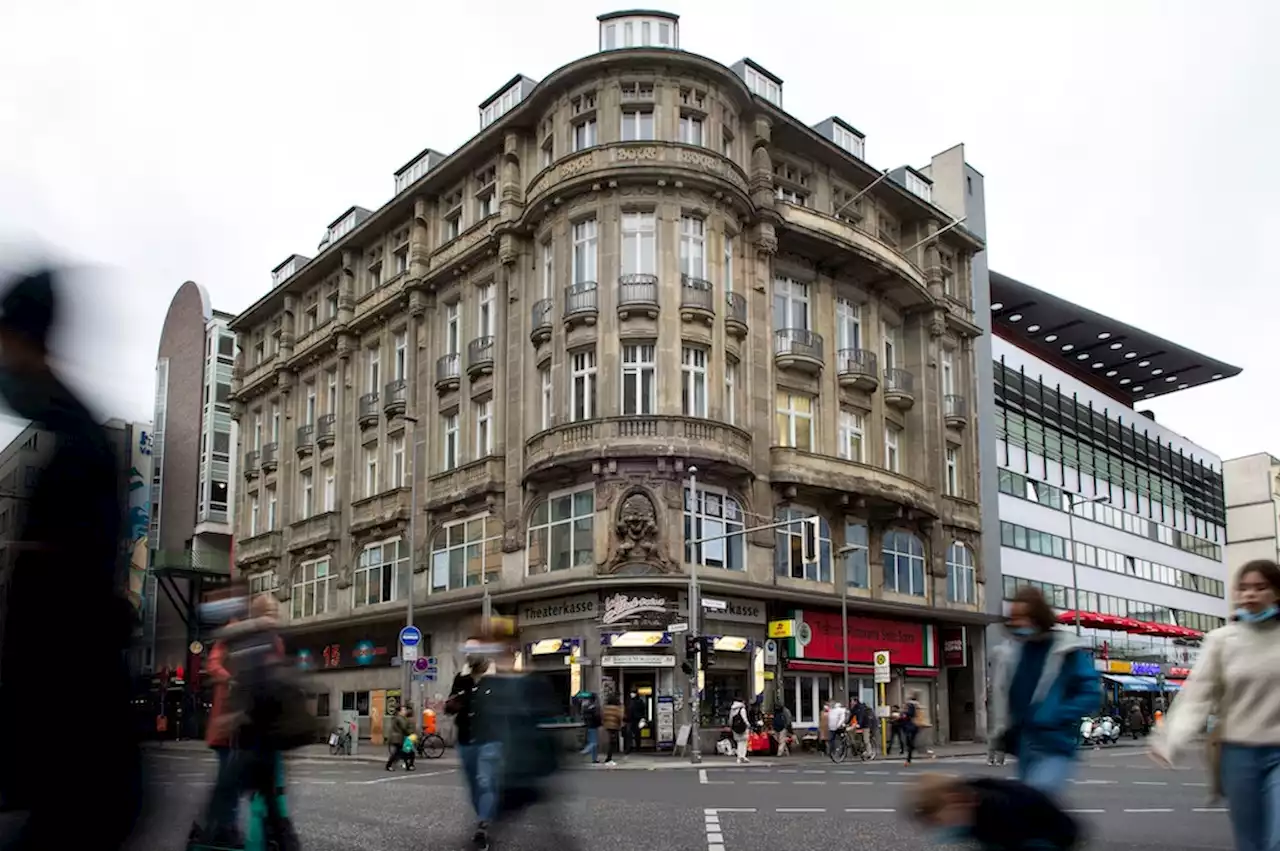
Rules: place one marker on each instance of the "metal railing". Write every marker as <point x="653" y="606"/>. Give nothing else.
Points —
<point x="251" y="461"/>
<point x="736" y="303"/>
<point x="542" y="310"/>
<point x="800" y="342"/>
<point x="480" y="350"/>
<point x="270" y="454"/>
<point x="369" y="405"/>
<point x="326" y="427"/>
<point x="397" y="392"/>
<point x="899" y="381"/>
<point x="954" y="406"/>
<point x="637" y="290"/>
<point x="857" y="362"/>
<point x="696" y="293"/>
<point x="447" y="366"/>
<point x="306" y="436"/>
<point x="582" y="297"/>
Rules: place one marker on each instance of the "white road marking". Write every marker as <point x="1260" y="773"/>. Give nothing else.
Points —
<point x="814" y="772"/>
<point x="869" y="810"/>
<point x="800" y="810"/>
<point x="856" y="783"/>
<point x="702" y="776"/>
<point x="409" y="776"/>
<point x="1208" y="809"/>
<point x="882" y="773"/>
<point x="1084" y="811"/>
<point x="1197" y="785"/>
<point x="1150" y="810"/>
<point x="1093" y="782"/>
<point x="763" y="782"/>
<point x="811" y="783"/>
<point x="1149" y="783"/>
<point x="897" y="783"/>
<point x="733" y="810"/>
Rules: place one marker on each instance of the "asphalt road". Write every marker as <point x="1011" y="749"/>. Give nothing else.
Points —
<point x="1127" y="802"/>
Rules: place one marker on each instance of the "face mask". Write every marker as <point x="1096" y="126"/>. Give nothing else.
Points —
<point x="950" y="835"/>
<point x="1022" y="631"/>
<point x="1258" y="617"/>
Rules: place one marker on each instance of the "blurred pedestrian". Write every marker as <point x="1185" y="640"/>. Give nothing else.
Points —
<point x="1237" y="682"/>
<point x="592" y="722"/>
<point x="740" y="724"/>
<point x="1043" y="682"/>
<point x="911" y="724"/>
<point x="612" y="725"/>
<point x="636" y="719"/>
<point x="895" y="731"/>
<point x="991" y="812"/>
<point x="64" y="583"/>
<point x="401" y="729"/>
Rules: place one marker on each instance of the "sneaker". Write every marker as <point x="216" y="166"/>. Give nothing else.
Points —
<point x="610" y="762"/>
<point x="481" y="837"/>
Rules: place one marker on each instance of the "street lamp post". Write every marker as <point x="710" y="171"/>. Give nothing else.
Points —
<point x="407" y="678"/>
<point x="844" y="610"/>
<point x="1072" y="502"/>
<point x="695" y="610"/>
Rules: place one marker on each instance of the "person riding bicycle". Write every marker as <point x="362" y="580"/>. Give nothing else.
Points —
<point x="837" y="720"/>
<point x="863" y="720"/>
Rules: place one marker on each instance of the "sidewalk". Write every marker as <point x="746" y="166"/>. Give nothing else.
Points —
<point x="642" y="762"/>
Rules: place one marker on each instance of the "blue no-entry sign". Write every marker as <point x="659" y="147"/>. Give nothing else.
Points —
<point x="410" y="636"/>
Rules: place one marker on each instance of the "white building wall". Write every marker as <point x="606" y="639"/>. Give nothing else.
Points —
<point x="1253" y="509"/>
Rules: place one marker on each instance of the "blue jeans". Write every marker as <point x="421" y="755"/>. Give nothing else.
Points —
<point x="1047" y="772"/>
<point x="1251" y="782"/>
<point x="482" y="764"/>
<point x="593" y="742"/>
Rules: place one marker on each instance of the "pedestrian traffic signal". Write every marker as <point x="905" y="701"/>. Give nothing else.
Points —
<point x="809" y="539"/>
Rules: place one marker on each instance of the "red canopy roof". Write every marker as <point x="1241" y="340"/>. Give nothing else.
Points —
<point x="1097" y="620"/>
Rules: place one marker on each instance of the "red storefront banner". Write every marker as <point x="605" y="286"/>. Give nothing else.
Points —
<point x="955" y="647"/>
<point x="907" y="643"/>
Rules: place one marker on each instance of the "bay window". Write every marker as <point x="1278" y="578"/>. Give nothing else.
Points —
<point x="562" y="532"/>
<point x="717" y="521"/>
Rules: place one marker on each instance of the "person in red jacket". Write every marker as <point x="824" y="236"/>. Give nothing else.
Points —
<point x="218" y="735"/>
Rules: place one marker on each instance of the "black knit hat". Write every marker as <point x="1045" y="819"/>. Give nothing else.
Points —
<point x="30" y="307"/>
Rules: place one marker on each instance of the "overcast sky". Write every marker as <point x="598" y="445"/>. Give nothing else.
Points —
<point x="1127" y="146"/>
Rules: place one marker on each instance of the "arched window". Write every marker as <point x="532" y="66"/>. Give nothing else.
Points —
<point x="789" y="552"/>
<point x="903" y="555"/>
<point x="464" y="552"/>
<point x="314" y="592"/>
<point x="716" y="521"/>
<point x="961" y="581"/>
<point x="562" y="532"/>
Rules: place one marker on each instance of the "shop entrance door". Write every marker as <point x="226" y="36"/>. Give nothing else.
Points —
<point x="643" y="682"/>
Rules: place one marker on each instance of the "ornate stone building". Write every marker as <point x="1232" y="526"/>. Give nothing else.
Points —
<point x="640" y="265"/>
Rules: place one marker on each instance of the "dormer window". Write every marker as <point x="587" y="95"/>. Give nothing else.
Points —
<point x="652" y="29"/>
<point x="919" y="187"/>
<point x="850" y="141"/>
<point x="763" y="85"/>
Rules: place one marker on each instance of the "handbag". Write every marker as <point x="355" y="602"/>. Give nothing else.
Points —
<point x="1213" y="747"/>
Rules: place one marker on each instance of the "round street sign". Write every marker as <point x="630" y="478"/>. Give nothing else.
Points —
<point x="421" y="663"/>
<point x="410" y="636"/>
<point x="882" y="659"/>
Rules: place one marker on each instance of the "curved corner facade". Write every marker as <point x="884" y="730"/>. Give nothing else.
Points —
<point x="639" y="269"/>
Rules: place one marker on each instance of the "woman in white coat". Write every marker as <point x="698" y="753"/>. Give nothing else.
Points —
<point x="1237" y="681"/>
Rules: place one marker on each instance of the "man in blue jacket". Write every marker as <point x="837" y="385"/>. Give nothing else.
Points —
<point x="1043" y="682"/>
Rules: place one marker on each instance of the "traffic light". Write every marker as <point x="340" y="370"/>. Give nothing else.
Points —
<point x="809" y="539"/>
<point x="708" y="651"/>
<point x="690" y="664"/>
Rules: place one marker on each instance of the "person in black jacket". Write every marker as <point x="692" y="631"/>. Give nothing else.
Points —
<point x="64" y="596"/>
<point x="995" y="813"/>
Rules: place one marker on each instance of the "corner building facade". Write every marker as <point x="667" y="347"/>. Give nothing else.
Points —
<point x="640" y="266"/>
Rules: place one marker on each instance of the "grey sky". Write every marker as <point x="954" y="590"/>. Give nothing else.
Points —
<point x="1127" y="153"/>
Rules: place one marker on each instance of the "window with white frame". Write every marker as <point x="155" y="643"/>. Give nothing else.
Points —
<point x="726" y="142"/>
<point x="585" y="256"/>
<point x="330" y="481"/>
<point x="306" y="495"/>
<point x="381" y="574"/>
<point x="717" y="522"/>
<point x="452" y="332"/>
<point x="548" y="268"/>
<point x="903" y="557"/>
<point x="804" y="696"/>
<point x="790" y="304"/>
<point x="331" y="391"/>
<point x="548" y="153"/>
<point x="373" y="369"/>
<point x="693" y="247"/>
<point x="791" y="196"/>
<point x="309" y="407"/>
<point x="562" y="532"/>
<point x="272" y="505"/>
<point x="584" y="135"/>
<point x="852" y="435"/>
<point x="262" y="583"/>
<point x="402" y="260"/>
<point x="582" y="385"/>
<point x="639" y="243"/>
<point x="766" y="87"/>
<point x="449" y="446"/>
<point x="962" y="586"/>
<point x="889" y="334"/>
<point x="795" y="420"/>
<point x="892" y="450"/>
<point x="948" y="370"/>
<point x="692" y="129"/>
<point x="254" y="510"/>
<point x="275" y="422"/>
<point x="314" y="590"/>
<point x="547" y="413"/>
<point x="466" y="553"/>
<point x="484" y="428"/>
<point x="370" y="470"/>
<point x="850" y="141"/>
<point x="789" y="552"/>
<point x="693" y="369"/>
<point x="400" y="358"/>
<point x="731" y="391"/>
<point x="485" y="314"/>
<point x="637" y="125"/>
<point x="257" y="431"/>
<point x="639" y="379"/>
<point x="953" y="471"/>
<point x="919" y="187"/>
<point x="857" y="573"/>
<point x="399" y="469"/>
<point x="728" y="263"/>
<point x="848" y="324"/>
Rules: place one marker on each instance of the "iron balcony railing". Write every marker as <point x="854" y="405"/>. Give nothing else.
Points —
<point x="798" y="341"/>
<point x="899" y="381"/>
<point x="637" y="289"/>
<point x="856" y="362"/>
<point x="582" y="297"/>
<point x="695" y="293"/>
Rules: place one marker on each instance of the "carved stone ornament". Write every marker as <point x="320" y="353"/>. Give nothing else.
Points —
<point x="637" y="532"/>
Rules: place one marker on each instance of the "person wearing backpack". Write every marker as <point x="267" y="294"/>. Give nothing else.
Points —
<point x="910" y="727"/>
<point x="592" y="721"/>
<point x="782" y="722"/>
<point x="740" y="724"/>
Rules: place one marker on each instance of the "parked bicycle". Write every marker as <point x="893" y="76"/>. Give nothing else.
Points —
<point x="431" y="746"/>
<point x="340" y="742"/>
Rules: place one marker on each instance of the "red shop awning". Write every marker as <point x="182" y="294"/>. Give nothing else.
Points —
<point x="1169" y="630"/>
<point x="1097" y="620"/>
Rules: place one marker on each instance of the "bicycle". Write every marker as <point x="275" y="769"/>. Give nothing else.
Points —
<point x="838" y="747"/>
<point x="340" y="742"/>
<point x="431" y="746"/>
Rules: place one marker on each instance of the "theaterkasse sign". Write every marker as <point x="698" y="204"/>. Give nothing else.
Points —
<point x="579" y="607"/>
